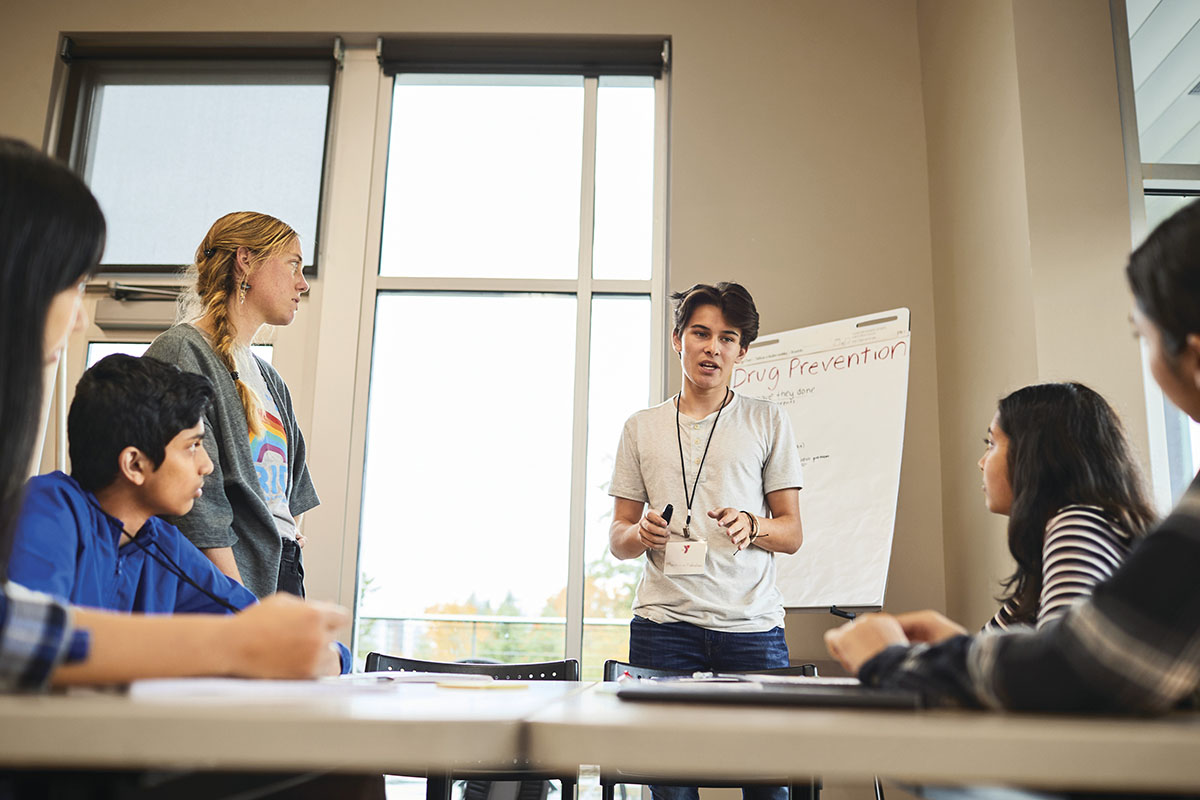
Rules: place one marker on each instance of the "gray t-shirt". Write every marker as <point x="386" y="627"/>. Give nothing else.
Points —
<point x="753" y="453"/>
<point x="232" y="512"/>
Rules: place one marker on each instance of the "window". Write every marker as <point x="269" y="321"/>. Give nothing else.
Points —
<point x="1160" y="111"/>
<point x="168" y="145"/>
<point x="513" y="329"/>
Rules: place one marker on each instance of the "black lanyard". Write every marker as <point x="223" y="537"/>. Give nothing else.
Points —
<point x="683" y="469"/>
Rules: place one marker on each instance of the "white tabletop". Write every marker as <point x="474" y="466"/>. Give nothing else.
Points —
<point x="407" y="727"/>
<point x="595" y="727"/>
<point x="413" y="727"/>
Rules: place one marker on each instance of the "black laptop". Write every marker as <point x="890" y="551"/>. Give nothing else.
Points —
<point x="816" y="692"/>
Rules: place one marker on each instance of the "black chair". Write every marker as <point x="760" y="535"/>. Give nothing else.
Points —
<point x="438" y="785"/>
<point x="567" y="670"/>
<point x="615" y="670"/>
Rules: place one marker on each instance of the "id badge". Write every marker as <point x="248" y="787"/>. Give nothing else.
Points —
<point x="685" y="558"/>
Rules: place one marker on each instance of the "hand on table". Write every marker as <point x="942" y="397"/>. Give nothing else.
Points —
<point x="285" y="637"/>
<point x="856" y="642"/>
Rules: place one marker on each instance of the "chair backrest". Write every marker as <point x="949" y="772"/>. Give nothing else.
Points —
<point x="807" y="670"/>
<point x="613" y="670"/>
<point x="566" y="670"/>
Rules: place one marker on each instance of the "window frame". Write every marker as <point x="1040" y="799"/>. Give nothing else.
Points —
<point x="584" y="287"/>
<point x="87" y="62"/>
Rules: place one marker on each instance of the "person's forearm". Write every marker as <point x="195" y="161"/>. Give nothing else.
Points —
<point x="281" y="637"/>
<point x="124" y="647"/>
<point x="623" y="540"/>
<point x="938" y="673"/>
<point x="779" y="534"/>
<point x="223" y="558"/>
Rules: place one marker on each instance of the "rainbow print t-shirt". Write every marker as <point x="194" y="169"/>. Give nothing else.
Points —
<point x="270" y="453"/>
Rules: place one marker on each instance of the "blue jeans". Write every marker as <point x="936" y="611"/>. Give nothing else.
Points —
<point x="680" y="645"/>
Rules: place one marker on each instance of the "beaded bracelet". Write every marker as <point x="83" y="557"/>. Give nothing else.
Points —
<point x="753" y="525"/>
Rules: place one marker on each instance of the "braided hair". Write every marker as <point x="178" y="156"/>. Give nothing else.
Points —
<point x="217" y="284"/>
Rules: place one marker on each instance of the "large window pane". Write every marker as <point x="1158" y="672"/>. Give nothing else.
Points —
<point x="167" y="157"/>
<point x="483" y="177"/>
<point x="620" y="385"/>
<point x="466" y="498"/>
<point x="624" y="179"/>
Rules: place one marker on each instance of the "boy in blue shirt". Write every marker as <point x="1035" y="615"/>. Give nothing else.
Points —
<point x="136" y="431"/>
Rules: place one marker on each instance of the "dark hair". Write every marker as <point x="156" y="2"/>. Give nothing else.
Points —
<point x="51" y="238"/>
<point x="1066" y="446"/>
<point x="130" y="402"/>
<point x="1164" y="275"/>
<point x="735" y="303"/>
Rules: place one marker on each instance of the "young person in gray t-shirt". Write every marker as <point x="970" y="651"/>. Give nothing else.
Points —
<point x="249" y="272"/>
<point x="728" y="466"/>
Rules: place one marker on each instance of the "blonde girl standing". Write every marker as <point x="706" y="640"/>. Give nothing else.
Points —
<point x="248" y="273"/>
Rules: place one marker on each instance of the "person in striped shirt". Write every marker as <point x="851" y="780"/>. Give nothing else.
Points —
<point x="1058" y="466"/>
<point x="1134" y="645"/>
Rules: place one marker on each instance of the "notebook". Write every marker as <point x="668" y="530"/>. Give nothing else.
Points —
<point x="777" y="691"/>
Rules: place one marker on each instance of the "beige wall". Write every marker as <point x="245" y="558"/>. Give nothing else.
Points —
<point x="1030" y="225"/>
<point x="838" y="158"/>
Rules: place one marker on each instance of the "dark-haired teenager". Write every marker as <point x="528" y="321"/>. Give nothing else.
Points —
<point x="51" y="238"/>
<point x="136" y="432"/>
<point x="1133" y="645"/>
<point x="1058" y="466"/>
<point x="728" y="466"/>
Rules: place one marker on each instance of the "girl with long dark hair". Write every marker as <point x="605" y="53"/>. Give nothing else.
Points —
<point x="1058" y="466"/>
<point x="1134" y="645"/>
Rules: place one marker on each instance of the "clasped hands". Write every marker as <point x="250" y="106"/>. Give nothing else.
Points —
<point x="856" y="642"/>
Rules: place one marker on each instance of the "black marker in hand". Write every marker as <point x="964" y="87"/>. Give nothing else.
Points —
<point x="666" y="515"/>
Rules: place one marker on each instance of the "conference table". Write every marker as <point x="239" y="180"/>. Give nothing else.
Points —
<point x="927" y="746"/>
<point x="273" y="726"/>
<point x="559" y="726"/>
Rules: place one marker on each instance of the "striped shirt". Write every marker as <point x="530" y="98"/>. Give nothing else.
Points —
<point x="1133" y="646"/>
<point x="1082" y="547"/>
<point x="36" y="635"/>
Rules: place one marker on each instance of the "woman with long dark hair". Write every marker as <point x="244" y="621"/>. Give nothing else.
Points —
<point x="1133" y="645"/>
<point x="51" y="238"/>
<point x="1058" y="466"/>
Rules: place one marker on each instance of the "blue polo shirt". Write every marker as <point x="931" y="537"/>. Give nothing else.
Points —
<point x="65" y="544"/>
